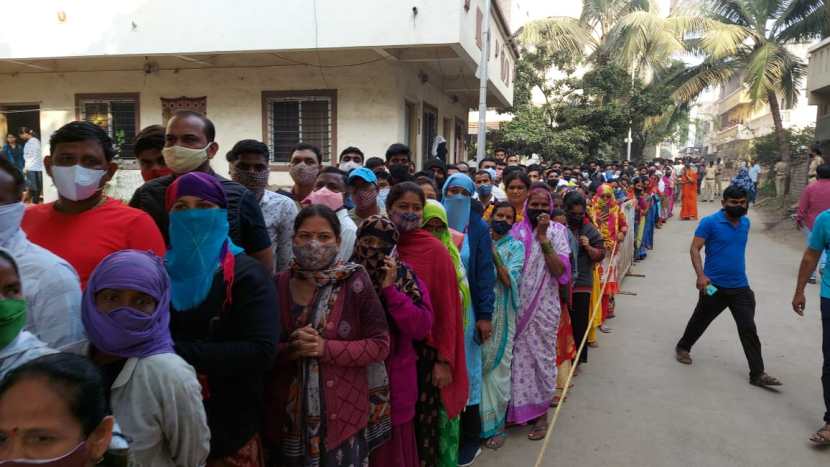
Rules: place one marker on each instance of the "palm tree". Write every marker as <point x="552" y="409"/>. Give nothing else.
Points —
<point x="748" y="39"/>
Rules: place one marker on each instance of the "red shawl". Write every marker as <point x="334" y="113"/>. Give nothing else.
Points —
<point x="428" y="257"/>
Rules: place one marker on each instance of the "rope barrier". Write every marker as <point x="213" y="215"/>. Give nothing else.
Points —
<point x="584" y="341"/>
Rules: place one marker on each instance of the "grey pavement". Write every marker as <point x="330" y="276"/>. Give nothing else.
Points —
<point x="634" y="405"/>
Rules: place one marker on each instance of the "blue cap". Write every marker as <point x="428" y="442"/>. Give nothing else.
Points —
<point x="364" y="173"/>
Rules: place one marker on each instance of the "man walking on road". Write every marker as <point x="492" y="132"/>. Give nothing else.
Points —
<point x="722" y="282"/>
<point x="819" y="243"/>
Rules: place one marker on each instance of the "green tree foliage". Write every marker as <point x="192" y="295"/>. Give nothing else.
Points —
<point x="765" y="148"/>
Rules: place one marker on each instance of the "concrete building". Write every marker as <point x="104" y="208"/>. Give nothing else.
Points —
<point x="365" y="73"/>
<point x="818" y="89"/>
<point x="738" y="121"/>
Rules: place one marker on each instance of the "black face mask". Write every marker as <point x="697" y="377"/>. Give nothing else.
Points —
<point x="735" y="212"/>
<point x="399" y="172"/>
<point x="575" y="220"/>
<point x="533" y="216"/>
<point x="553" y="182"/>
<point x="500" y="227"/>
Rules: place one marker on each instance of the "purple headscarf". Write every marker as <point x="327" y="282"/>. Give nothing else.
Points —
<point x="524" y="232"/>
<point x="126" y="332"/>
<point x="199" y="184"/>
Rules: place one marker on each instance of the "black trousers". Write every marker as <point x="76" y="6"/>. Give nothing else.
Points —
<point x="741" y="302"/>
<point x="471" y="425"/>
<point x="825" y="349"/>
<point x="580" y="314"/>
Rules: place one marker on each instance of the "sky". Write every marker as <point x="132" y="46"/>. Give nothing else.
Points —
<point x="542" y="8"/>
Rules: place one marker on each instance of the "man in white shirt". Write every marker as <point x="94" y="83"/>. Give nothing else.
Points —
<point x="754" y="173"/>
<point x="51" y="286"/>
<point x="34" y="164"/>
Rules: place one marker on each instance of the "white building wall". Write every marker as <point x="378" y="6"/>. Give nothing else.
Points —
<point x="370" y="100"/>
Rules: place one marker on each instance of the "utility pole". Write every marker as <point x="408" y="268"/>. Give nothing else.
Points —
<point x="481" y="144"/>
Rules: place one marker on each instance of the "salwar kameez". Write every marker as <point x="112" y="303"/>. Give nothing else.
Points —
<point x="497" y="352"/>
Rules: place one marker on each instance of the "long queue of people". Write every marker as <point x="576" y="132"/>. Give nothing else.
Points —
<point x="368" y="315"/>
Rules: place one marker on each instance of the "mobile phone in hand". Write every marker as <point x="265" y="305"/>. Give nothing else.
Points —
<point x="711" y="290"/>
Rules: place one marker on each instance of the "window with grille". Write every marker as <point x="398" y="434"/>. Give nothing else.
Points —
<point x="292" y="119"/>
<point x="116" y="114"/>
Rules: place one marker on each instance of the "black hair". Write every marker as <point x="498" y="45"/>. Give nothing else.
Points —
<point x="516" y="174"/>
<point x="374" y="162"/>
<point x="488" y="159"/>
<point x="74" y="379"/>
<point x="149" y="138"/>
<point x="248" y="146"/>
<point x="7" y="257"/>
<point x="424" y="173"/>
<point x="482" y="172"/>
<point x="436" y="163"/>
<point x="426" y="180"/>
<point x="77" y="131"/>
<point x="574" y="199"/>
<point x="504" y="204"/>
<point x="318" y="210"/>
<point x="734" y="192"/>
<point x="535" y="168"/>
<point x="401" y="189"/>
<point x="501" y="150"/>
<point x="27" y="130"/>
<point x="823" y="171"/>
<point x="333" y="170"/>
<point x="307" y="147"/>
<point x="17" y="176"/>
<point x="352" y="150"/>
<point x="816" y="150"/>
<point x="501" y="163"/>
<point x="396" y="149"/>
<point x="382" y="175"/>
<point x="207" y="125"/>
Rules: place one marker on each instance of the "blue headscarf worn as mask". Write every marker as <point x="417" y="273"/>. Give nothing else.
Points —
<point x="458" y="206"/>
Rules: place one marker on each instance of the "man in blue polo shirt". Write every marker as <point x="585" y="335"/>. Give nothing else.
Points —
<point x="818" y="243"/>
<point x="722" y="282"/>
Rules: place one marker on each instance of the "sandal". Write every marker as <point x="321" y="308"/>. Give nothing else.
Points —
<point x="538" y="432"/>
<point x="557" y="399"/>
<point x="605" y="329"/>
<point x="593" y="345"/>
<point x="764" y="381"/>
<point x="496" y="441"/>
<point x="822" y="436"/>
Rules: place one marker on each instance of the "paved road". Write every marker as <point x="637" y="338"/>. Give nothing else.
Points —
<point x="634" y="405"/>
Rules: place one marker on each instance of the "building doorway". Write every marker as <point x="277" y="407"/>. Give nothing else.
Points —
<point x="14" y="116"/>
<point x="429" y="131"/>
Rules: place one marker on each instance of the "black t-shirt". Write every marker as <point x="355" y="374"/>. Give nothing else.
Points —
<point x="247" y="227"/>
<point x="585" y="272"/>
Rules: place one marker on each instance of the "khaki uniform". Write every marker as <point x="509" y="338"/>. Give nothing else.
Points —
<point x="811" y="170"/>
<point x="781" y="168"/>
<point x="709" y="183"/>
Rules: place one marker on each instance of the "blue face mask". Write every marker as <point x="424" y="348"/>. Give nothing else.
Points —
<point x="382" y="195"/>
<point x="484" y="191"/>
<point x="196" y="240"/>
<point x="458" y="211"/>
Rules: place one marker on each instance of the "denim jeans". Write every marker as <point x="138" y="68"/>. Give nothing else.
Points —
<point x="825" y="349"/>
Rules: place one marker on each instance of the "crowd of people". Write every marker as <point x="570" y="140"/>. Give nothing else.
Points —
<point x="370" y="314"/>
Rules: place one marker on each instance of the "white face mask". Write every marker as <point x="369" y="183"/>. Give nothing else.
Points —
<point x="75" y="182"/>
<point x="349" y="165"/>
<point x="10" y="217"/>
<point x="182" y="160"/>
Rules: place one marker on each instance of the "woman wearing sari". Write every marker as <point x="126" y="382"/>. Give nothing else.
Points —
<point x="517" y="186"/>
<point x="653" y="213"/>
<point x="641" y="209"/>
<point x="668" y="193"/>
<point x="609" y="220"/>
<point x="743" y="180"/>
<point x="332" y="394"/>
<point x="688" y="183"/>
<point x="222" y="317"/>
<point x="497" y="352"/>
<point x="442" y="369"/>
<point x="435" y="221"/>
<point x="565" y="341"/>
<point x="547" y="265"/>
<point x="409" y="313"/>
<point x="476" y="250"/>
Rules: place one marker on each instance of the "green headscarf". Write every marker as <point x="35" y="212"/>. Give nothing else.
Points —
<point x="12" y="310"/>
<point x="432" y="210"/>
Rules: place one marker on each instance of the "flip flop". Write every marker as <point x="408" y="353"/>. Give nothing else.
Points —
<point x="821" y="437"/>
<point x="496" y="441"/>
<point x="537" y="433"/>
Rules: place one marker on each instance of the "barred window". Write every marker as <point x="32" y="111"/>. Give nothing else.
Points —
<point x="117" y="114"/>
<point x="303" y="117"/>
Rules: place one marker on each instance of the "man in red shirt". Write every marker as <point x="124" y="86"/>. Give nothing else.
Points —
<point x="83" y="226"/>
<point x="814" y="200"/>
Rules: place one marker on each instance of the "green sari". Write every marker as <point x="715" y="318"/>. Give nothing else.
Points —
<point x="497" y="352"/>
